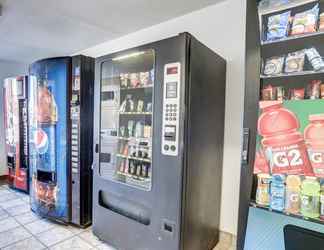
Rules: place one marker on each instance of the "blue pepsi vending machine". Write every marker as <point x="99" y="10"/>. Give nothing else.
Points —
<point x="60" y="171"/>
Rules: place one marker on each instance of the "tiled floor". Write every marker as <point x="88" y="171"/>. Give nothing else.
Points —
<point x="21" y="229"/>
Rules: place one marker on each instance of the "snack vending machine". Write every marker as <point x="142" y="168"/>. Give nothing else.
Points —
<point x="158" y="146"/>
<point x="60" y="125"/>
<point x="16" y="133"/>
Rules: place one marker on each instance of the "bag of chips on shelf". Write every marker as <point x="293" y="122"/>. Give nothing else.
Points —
<point x="274" y="65"/>
<point x="297" y="94"/>
<point x="295" y="62"/>
<point x="313" y="89"/>
<point x="321" y="22"/>
<point x="305" y="22"/>
<point x="315" y="59"/>
<point x="269" y="93"/>
<point x="278" y="26"/>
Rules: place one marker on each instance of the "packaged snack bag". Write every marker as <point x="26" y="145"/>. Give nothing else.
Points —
<point x="274" y="65"/>
<point x="283" y="144"/>
<point x="269" y="93"/>
<point x="314" y="137"/>
<point x="295" y="62"/>
<point x="278" y="25"/>
<point x="321" y="22"/>
<point x="297" y="94"/>
<point x="280" y="93"/>
<point x="305" y="22"/>
<point x="315" y="59"/>
<point x="322" y="200"/>
<point x="313" y="89"/>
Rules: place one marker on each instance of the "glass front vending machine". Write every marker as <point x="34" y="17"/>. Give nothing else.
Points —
<point x="158" y="146"/>
<point x="16" y="132"/>
<point x="60" y="126"/>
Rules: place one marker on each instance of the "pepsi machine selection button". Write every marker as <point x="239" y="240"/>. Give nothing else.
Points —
<point x="173" y="148"/>
<point x="166" y="147"/>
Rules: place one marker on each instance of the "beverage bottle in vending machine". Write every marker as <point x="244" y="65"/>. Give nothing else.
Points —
<point x="277" y="192"/>
<point x="293" y="186"/>
<point x="310" y="194"/>
<point x="263" y="190"/>
<point x="283" y="144"/>
<point x="314" y="137"/>
<point x="322" y="200"/>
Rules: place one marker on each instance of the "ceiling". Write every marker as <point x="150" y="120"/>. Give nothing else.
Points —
<point x="34" y="29"/>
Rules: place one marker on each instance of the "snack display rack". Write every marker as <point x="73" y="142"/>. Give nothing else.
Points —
<point x="290" y="80"/>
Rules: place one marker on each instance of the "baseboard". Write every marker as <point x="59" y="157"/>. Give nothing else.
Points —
<point x="227" y="241"/>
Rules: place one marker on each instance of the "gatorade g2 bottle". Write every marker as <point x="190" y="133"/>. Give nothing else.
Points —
<point x="277" y="192"/>
<point x="314" y="137"/>
<point x="293" y="186"/>
<point x="283" y="144"/>
<point x="310" y="197"/>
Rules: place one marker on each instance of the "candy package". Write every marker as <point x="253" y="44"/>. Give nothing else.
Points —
<point x="321" y="22"/>
<point x="280" y="93"/>
<point x="278" y="25"/>
<point x="313" y="89"/>
<point x="295" y="62"/>
<point x="269" y="93"/>
<point x="305" y="22"/>
<point x="315" y="59"/>
<point x="274" y="65"/>
<point x="322" y="90"/>
<point x="297" y="94"/>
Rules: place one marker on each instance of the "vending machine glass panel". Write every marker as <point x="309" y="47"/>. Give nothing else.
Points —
<point x="126" y="124"/>
<point x="48" y="114"/>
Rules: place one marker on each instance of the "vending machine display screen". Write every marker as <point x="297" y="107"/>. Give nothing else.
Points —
<point x="171" y="90"/>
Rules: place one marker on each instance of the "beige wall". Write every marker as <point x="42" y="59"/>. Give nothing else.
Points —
<point x="222" y="28"/>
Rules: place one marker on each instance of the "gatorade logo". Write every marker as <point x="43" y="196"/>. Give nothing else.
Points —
<point x="287" y="158"/>
<point x="316" y="157"/>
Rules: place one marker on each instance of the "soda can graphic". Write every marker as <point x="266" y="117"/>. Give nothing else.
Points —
<point x="44" y="139"/>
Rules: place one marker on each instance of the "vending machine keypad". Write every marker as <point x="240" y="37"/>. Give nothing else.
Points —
<point x="171" y="102"/>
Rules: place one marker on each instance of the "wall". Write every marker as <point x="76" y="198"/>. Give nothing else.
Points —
<point x="222" y="28"/>
<point x="7" y="69"/>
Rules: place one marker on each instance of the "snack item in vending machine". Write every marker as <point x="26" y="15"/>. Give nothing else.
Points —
<point x="314" y="137"/>
<point x="278" y="26"/>
<point x="269" y="93"/>
<point x="277" y="192"/>
<point x="295" y="62"/>
<point x="310" y="194"/>
<point x="280" y="93"/>
<point x="274" y="65"/>
<point x="322" y="200"/>
<point x="315" y="59"/>
<point x="322" y="91"/>
<point x="305" y="22"/>
<point x="263" y="190"/>
<point x="283" y="144"/>
<point x="124" y="80"/>
<point x="321" y="22"/>
<point x="293" y="186"/>
<point x="135" y="80"/>
<point x="144" y="78"/>
<point x="297" y="94"/>
<point x="313" y="89"/>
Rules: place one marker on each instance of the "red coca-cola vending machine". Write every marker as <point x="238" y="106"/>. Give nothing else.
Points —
<point x="16" y="133"/>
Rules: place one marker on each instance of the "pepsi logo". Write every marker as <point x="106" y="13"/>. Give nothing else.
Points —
<point x="41" y="141"/>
